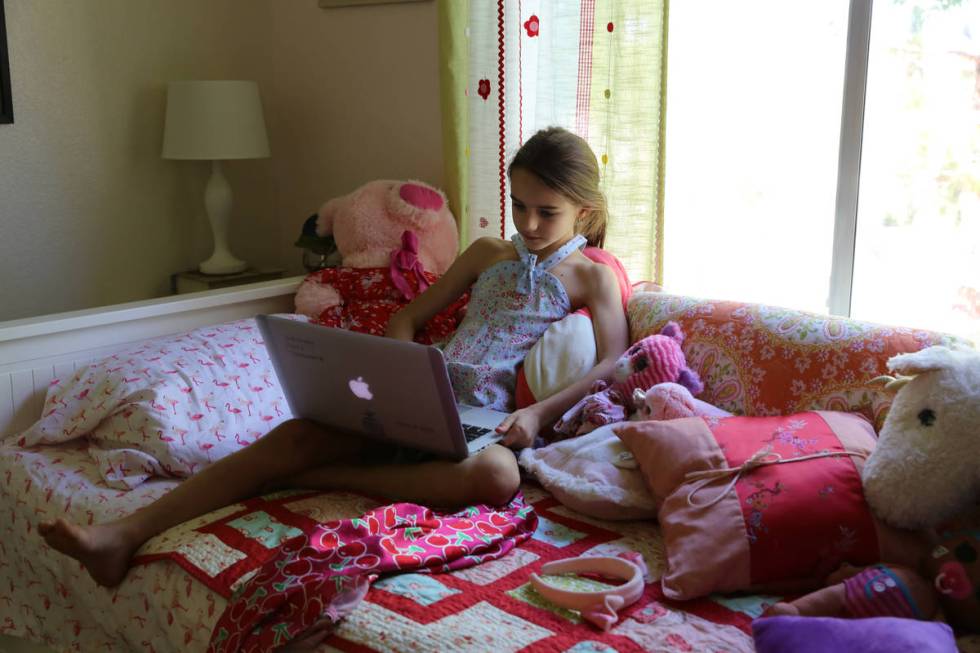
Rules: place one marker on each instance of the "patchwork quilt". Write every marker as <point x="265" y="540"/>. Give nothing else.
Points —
<point x="48" y="598"/>
<point x="490" y="606"/>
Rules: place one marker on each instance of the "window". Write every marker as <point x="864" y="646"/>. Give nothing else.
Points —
<point x="764" y="202"/>
<point x="917" y="252"/>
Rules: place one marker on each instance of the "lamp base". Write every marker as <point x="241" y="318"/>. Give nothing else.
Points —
<point x="222" y="263"/>
<point x="217" y="201"/>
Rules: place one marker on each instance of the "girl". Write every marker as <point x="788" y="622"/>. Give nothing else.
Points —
<point x="518" y="289"/>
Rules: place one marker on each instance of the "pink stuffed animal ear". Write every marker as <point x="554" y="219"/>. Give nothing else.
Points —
<point x="415" y="202"/>
<point x="690" y="380"/>
<point x="673" y="331"/>
<point x="325" y="217"/>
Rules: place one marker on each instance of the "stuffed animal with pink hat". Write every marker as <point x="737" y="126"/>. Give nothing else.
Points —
<point x="648" y="362"/>
<point x="395" y="239"/>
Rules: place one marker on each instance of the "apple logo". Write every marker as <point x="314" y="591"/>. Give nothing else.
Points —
<point x="360" y="388"/>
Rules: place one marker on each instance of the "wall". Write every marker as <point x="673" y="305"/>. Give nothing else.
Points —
<point x="91" y="215"/>
<point x="356" y="97"/>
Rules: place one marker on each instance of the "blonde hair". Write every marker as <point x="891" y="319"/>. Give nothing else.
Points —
<point x="566" y="163"/>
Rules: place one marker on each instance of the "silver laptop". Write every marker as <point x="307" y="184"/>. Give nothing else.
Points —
<point x="377" y="387"/>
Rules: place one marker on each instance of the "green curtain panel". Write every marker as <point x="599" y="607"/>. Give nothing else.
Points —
<point x="597" y="67"/>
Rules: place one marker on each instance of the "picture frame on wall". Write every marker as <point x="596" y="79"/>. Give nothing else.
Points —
<point x="6" y="102"/>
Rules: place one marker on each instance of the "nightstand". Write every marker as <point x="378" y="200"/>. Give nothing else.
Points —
<point x="194" y="281"/>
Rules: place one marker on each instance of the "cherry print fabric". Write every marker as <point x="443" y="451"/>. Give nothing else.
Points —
<point x="326" y="573"/>
<point x="369" y="297"/>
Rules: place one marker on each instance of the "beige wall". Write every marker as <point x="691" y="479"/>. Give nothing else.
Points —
<point x="355" y="97"/>
<point x="91" y="215"/>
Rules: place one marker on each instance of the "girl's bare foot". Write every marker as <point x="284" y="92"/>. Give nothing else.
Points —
<point x="103" y="549"/>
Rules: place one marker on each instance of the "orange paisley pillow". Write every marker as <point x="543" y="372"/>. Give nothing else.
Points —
<point x="764" y="360"/>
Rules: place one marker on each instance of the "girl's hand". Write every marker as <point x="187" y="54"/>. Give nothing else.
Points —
<point x="520" y="428"/>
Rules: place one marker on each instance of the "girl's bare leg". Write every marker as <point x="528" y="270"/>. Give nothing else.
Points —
<point x="294" y="454"/>
<point x="287" y="450"/>
<point x="491" y="476"/>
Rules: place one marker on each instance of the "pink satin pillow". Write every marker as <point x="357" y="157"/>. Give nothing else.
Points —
<point x="775" y="527"/>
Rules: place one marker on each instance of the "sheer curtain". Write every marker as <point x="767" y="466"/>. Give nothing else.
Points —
<point x="596" y="67"/>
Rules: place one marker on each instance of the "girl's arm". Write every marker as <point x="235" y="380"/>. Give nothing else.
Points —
<point x="604" y="301"/>
<point x="457" y="279"/>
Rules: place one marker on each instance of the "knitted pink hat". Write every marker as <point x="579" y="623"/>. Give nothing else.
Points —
<point x="656" y="359"/>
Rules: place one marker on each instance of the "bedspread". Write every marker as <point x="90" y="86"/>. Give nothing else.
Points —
<point x="159" y="607"/>
<point x="47" y="597"/>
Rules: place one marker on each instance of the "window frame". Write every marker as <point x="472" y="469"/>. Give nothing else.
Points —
<point x="849" y="156"/>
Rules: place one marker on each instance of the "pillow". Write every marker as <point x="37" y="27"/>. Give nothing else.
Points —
<point x="565" y="353"/>
<point x="567" y="350"/>
<point x="593" y="474"/>
<point x="775" y="527"/>
<point x="765" y="360"/>
<point x="167" y="406"/>
<point x="874" y="635"/>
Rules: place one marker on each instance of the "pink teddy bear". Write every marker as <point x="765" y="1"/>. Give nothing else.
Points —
<point x="652" y="360"/>
<point x="395" y="239"/>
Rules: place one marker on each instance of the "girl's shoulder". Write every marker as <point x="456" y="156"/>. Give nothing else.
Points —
<point x="488" y="251"/>
<point x="492" y="244"/>
<point x="588" y="270"/>
<point x="585" y="279"/>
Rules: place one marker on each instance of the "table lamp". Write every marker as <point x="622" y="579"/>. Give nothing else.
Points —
<point x="215" y="121"/>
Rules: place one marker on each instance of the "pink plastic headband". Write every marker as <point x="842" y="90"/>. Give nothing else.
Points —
<point x="600" y="606"/>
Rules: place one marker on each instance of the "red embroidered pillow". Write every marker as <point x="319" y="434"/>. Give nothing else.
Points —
<point x="777" y="527"/>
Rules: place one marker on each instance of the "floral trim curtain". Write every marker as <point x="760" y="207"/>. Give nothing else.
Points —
<point x="596" y="67"/>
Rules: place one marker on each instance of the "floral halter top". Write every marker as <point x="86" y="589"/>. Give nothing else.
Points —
<point x="511" y="305"/>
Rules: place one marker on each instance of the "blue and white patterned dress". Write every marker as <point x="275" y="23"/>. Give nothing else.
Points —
<point x="511" y="305"/>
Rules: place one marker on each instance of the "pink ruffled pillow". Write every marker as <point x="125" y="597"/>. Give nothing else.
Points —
<point x="593" y="474"/>
<point x="775" y="527"/>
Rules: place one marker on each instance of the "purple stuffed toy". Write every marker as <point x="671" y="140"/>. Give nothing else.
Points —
<point x="652" y="360"/>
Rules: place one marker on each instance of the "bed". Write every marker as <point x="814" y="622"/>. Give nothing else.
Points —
<point x="48" y="599"/>
<point x="178" y="593"/>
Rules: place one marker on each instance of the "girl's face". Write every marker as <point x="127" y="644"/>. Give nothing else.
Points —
<point x="544" y="217"/>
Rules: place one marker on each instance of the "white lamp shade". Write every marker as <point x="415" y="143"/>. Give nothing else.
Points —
<point x="214" y="120"/>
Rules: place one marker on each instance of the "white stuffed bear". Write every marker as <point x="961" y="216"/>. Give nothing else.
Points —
<point x="926" y="466"/>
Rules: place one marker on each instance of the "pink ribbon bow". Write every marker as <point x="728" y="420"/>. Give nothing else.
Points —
<point x="406" y="260"/>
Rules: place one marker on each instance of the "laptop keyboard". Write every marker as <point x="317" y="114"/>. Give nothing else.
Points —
<point x="471" y="432"/>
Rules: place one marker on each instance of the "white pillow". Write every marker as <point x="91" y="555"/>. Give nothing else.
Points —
<point x="168" y="406"/>
<point x="565" y="353"/>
